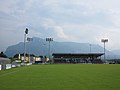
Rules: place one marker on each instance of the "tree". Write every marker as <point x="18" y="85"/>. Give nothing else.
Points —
<point x="16" y="56"/>
<point x="3" y="55"/>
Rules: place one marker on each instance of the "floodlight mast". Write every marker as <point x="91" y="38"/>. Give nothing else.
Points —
<point x="26" y="32"/>
<point x="29" y="40"/>
<point x="104" y="41"/>
<point x="49" y="51"/>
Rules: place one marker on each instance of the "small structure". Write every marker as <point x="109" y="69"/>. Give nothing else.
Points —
<point x="113" y="61"/>
<point x="4" y="62"/>
<point x="94" y="58"/>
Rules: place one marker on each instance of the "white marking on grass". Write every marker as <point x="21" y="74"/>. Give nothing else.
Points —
<point x="7" y="73"/>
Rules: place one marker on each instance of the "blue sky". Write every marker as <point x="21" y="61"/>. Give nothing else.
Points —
<point x="84" y="21"/>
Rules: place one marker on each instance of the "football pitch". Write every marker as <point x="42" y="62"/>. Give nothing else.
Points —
<point x="62" y="77"/>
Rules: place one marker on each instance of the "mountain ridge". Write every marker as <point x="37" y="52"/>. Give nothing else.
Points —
<point x="40" y="47"/>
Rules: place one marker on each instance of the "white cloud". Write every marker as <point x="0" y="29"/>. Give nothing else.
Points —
<point x="115" y="18"/>
<point x="33" y="33"/>
<point x="58" y="30"/>
<point x="68" y="20"/>
<point x="7" y="6"/>
<point x="94" y="33"/>
<point x="47" y="23"/>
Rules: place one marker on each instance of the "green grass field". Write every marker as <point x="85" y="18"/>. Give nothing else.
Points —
<point x="62" y="77"/>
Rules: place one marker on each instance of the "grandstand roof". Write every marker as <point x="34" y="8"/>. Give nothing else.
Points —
<point x="58" y="55"/>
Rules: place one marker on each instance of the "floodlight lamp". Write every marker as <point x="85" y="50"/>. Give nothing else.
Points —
<point x="104" y="40"/>
<point x="26" y="31"/>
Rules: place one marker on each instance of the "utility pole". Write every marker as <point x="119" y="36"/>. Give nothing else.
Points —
<point x="90" y="47"/>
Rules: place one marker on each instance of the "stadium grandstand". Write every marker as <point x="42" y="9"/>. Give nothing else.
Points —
<point x="74" y="58"/>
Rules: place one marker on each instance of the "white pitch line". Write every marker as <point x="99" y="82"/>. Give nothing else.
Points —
<point x="4" y="74"/>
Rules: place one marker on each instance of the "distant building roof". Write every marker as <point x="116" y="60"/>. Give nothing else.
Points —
<point x="4" y="60"/>
<point x="1" y="58"/>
